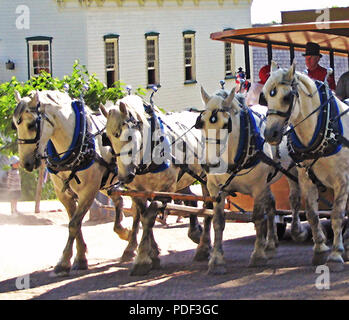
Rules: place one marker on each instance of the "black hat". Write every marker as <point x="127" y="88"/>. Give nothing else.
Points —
<point x="312" y="49"/>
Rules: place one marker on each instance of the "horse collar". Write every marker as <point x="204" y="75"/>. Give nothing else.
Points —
<point x="325" y="141"/>
<point x="81" y="153"/>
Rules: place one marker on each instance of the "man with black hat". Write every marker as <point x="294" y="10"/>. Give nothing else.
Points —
<point x="315" y="71"/>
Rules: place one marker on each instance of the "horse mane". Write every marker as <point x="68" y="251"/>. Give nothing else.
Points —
<point x="135" y="106"/>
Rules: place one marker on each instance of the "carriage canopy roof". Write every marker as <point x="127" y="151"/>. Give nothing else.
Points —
<point x="331" y="36"/>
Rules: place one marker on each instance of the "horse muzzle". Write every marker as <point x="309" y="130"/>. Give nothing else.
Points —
<point x="128" y="179"/>
<point x="30" y="165"/>
<point x="274" y="134"/>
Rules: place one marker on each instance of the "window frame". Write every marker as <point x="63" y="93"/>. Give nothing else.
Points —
<point x="40" y="40"/>
<point x="231" y="59"/>
<point x="189" y="34"/>
<point x="152" y="36"/>
<point x="112" y="38"/>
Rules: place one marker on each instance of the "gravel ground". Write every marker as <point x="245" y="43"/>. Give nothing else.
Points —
<point x="31" y="245"/>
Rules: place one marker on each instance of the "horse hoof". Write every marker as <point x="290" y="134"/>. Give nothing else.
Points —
<point x="195" y="235"/>
<point x="346" y="255"/>
<point x="202" y="255"/>
<point x="80" y="265"/>
<point x="127" y="256"/>
<point x="141" y="269"/>
<point x="155" y="263"/>
<point x="271" y="245"/>
<point x="270" y="252"/>
<point x="217" y="269"/>
<point x="320" y="258"/>
<point x="300" y="237"/>
<point x="60" y="271"/>
<point x="258" y="261"/>
<point x="335" y="266"/>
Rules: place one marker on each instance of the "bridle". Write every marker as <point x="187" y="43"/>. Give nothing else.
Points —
<point x="293" y="96"/>
<point x="38" y="123"/>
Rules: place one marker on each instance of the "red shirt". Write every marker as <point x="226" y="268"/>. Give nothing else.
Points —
<point x="320" y="73"/>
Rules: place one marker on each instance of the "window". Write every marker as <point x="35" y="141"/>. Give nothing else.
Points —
<point x="39" y="55"/>
<point x="189" y="57"/>
<point x="111" y="58"/>
<point x="152" y="56"/>
<point x="229" y="62"/>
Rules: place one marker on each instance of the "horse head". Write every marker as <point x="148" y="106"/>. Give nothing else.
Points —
<point x="217" y="122"/>
<point x="124" y="130"/>
<point x="33" y="133"/>
<point x="281" y="94"/>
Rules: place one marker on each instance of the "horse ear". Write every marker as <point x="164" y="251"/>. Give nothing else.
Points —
<point x="205" y="96"/>
<point x="274" y="66"/>
<point x="103" y="110"/>
<point x="122" y="107"/>
<point x="35" y="100"/>
<point x="290" y="73"/>
<point x="17" y="96"/>
<point x="229" y="99"/>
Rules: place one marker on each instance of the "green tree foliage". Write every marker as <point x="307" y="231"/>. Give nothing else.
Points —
<point x="80" y="82"/>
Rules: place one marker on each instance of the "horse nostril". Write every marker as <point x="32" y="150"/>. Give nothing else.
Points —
<point x="28" y="166"/>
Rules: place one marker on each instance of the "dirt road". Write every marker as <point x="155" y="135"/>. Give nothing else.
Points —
<point x="32" y="244"/>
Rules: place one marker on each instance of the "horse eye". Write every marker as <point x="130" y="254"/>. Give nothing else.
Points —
<point x="273" y="92"/>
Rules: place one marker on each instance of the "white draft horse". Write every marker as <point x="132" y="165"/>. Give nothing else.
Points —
<point x="318" y="142"/>
<point x="234" y="144"/>
<point x="47" y="120"/>
<point x="149" y="160"/>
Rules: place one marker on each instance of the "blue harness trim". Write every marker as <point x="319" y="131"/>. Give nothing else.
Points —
<point x="256" y="141"/>
<point x="328" y="105"/>
<point x="71" y="154"/>
<point x="167" y="150"/>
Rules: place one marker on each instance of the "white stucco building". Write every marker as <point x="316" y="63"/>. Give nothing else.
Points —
<point x="139" y="42"/>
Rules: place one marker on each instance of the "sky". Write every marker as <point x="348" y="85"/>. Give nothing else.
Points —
<point x="266" y="11"/>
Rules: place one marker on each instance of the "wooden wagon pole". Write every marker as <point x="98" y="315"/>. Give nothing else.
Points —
<point x="163" y="196"/>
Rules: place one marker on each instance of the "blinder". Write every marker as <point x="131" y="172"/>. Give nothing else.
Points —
<point x="199" y="123"/>
<point x="213" y="119"/>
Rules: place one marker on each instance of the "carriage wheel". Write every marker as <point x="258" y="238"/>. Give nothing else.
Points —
<point x="281" y="229"/>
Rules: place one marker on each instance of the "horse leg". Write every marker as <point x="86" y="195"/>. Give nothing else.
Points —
<point x="272" y="238"/>
<point x="80" y="262"/>
<point x="216" y="264"/>
<point x="335" y="261"/>
<point x="346" y="239"/>
<point x="122" y="232"/>
<point x="258" y="257"/>
<point x="195" y="230"/>
<point x="310" y="192"/>
<point x="298" y="232"/>
<point x="203" y="250"/>
<point x="63" y="267"/>
<point x="144" y="260"/>
<point x="129" y="252"/>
